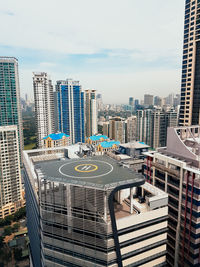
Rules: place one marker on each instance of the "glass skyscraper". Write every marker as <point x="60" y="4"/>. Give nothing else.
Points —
<point x="71" y="109"/>
<point x="10" y="108"/>
<point x="190" y="84"/>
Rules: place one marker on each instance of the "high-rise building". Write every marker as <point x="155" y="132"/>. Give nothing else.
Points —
<point x="131" y="101"/>
<point x="131" y="129"/>
<point x="158" y="101"/>
<point x="144" y="126"/>
<point x="99" y="102"/>
<point x="92" y="212"/>
<point x="148" y="100"/>
<point x="152" y="126"/>
<point x="44" y="105"/>
<point x="56" y="124"/>
<point x="190" y="86"/>
<point x="90" y="113"/>
<point x="169" y="100"/>
<point x="71" y="110"/>
<point x="10" y="107"/>
<point x="106" y="128"/>
<point x="10" y="173"/>
<point x="175" y="169"/>
<point x="117" y="129"/>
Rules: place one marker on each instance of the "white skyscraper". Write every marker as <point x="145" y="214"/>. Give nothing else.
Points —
<point x="10" y="173"/>
<point x="91" y="112"/>
<point x="44" y="105"/>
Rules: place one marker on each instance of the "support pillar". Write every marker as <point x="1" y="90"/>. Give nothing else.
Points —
<point x="131" y="200"/>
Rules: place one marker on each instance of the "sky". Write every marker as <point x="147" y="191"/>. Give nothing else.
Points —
<point x="121" y="48"/>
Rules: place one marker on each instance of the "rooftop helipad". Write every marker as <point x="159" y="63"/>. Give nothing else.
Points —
<point x="97" y="170"/>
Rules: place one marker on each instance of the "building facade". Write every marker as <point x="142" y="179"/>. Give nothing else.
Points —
<point x="144" y="126"/>
<point x="10" y="173"/>
<point x="44" y="105"/>
<point x="114" y="219"/>
<point x="175" y="170"/>
<point x="131" y="129"/>
<point x="90" y="113"/>
<point x="71" y="110"/>
<point x="56" y="140"/>
<point x="152" y="126"/>
<point x="10" y="107"/>
<point x="117" y="129"/>
<point x="131" y="101"/>
<point x="148" y="100"/>
<point x="190" y="88"/>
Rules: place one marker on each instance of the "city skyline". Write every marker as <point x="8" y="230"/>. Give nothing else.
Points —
<point x="123" y="54"/>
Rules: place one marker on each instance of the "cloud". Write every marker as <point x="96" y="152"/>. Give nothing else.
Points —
<point x="96" y="40"/>
<point x="7" y="13"/>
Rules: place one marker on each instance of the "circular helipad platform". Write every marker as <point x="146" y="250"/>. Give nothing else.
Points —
<point x="86" y="169"/>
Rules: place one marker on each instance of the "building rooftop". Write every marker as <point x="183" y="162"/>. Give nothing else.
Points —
<point x="97" y="171"/>
<point x="97" y="137"/>
<point x="135" y="145"/>
<point x="109" y="144"/>
<point x="56" y="136"/>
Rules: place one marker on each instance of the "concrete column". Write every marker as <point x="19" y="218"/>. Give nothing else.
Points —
<point x="179" y="218"/>
<point x="105" y="206"/>
<point x="131" y="200"/>
<point x="69" y="210"/>
<point x="166" y="176"/>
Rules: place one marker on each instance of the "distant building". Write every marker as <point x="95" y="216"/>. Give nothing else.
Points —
<point x="92" y="212"/>
<point x="117" y="129"/>
<point x="44" y="105"/>
<point x="56" y="140"/>
<point x="152" y="126"/>
<point x="90" y="113"/>
<point x="175" y="169"/>
<point x="131" y="130"/>
<point x="148" y="100"/>
<point x="10" y="106"/>
<point x="56" y="121"/>
<point x="169" y="100"/>
<point x="11" y="198"/>
<point x="96" y="139"/>
<point x="71" y="118"/>
<point x="106" y="128"/>
<point x="158" y="101"/>
<point x="134" y="149"/>
<point x="99" y="102"/>
<point x="107" y="146"/>
<point x="144" y="126"/>
<point x="131" y="101"/>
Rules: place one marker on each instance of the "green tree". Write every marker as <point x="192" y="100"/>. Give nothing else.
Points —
<point x="7" y="231"/>
<point x="1" y="242"/>
<point x="18" y="254"/>
<point x="16" y="227"/>
<point x="21" y="213"/>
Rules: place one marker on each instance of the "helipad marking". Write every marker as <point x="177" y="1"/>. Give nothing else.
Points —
<point x="86" y="168"/>
<point x="96" y="176"/>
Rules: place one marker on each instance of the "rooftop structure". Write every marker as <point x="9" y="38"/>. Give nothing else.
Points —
<point x="56" y="136"/>
<point x="55" y="140"/>
<point x="92" y="212"/>
<point x="96" y="139"/>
